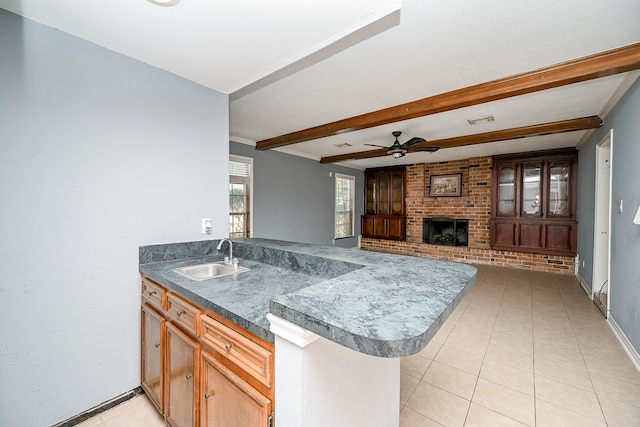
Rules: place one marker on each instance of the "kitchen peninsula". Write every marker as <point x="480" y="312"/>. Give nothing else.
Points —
<point x="339" y="320"/>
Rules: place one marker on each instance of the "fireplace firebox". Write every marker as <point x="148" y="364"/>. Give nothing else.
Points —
<point x="445" y="231"/>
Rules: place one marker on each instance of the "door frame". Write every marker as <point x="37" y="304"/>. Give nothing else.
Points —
<point x="606" y="143"/>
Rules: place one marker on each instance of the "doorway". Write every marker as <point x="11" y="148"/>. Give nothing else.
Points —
<point x="602" y="225"/>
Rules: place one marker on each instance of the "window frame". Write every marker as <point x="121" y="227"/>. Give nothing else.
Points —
<point x="352" y="205"/>
<point x="249" y="161"/>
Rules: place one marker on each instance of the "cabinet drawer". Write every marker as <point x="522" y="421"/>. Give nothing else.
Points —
<point x="246" y="354"/>
<point x="153" y="293"/>
<point x="183" y="313"/>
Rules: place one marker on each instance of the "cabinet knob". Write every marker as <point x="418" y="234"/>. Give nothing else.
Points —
<point x="152" y="293"/>
<point x="157" y="344"/>
<point x="189" y="376"/>
<point x="181" y="312"/>
<point x="208" y="395"/>
<point x="228" y="346"/>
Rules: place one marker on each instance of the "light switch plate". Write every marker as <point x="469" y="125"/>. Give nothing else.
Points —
<point x="207" y="225"/>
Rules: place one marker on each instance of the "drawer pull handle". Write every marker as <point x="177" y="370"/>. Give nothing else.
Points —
<point x="208" y="395"/>
<point x="228" y="346"/>
<point x="181" y="312"/>
<point x="157" y="344"/>
<point x="189" y="376"/>
<point x="151" y="293"/>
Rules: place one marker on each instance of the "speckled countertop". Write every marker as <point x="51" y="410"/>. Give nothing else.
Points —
<point x="378" y="304"/>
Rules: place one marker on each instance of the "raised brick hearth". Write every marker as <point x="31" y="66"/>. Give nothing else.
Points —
<point x="474" y="204"/>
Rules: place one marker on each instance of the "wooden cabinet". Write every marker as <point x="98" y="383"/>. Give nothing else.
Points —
<point x="181" y="377"/>
<point x="199" y="369"/>
<point x="384" y="216"/>
<point x="534" y="202"/>
<point x="153" y="324"/>
<point x="229" y="401"/>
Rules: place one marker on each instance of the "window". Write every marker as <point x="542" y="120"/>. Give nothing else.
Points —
<point x="240" y="179"/>
<point x="345" y="203"/>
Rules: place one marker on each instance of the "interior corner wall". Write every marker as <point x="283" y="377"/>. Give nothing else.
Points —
<point x="100" y="154"/>
<point x="625" y="236"/>
<point x="294" y="197"/>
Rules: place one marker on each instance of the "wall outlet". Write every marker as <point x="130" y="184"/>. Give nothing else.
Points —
<point x="207" y="226"/>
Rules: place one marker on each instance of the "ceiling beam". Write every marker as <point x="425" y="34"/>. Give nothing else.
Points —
<point x="583" y="123"/>
<point x="602" y="64"/>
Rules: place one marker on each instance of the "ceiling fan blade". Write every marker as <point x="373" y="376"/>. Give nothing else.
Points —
<point x="426" y="149"/>
<point x="374" y="145"/>
<point x="414" y="140"/>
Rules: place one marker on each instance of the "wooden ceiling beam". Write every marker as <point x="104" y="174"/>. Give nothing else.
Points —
<point x="602" y="64"/>
<point x="571" y="125"/>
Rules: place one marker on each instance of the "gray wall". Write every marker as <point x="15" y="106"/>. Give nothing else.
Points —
<point x="98" y="154"/>
<point x="294" y="197"/>
<point x="625" y="236"/>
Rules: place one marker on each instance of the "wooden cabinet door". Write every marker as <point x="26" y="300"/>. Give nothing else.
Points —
<point x="396" y="189"/>
<point x="180" y="378"/>
<point x="228" y="400"/>
<point x="153" y="325"/>
<point x="395" y="229"/>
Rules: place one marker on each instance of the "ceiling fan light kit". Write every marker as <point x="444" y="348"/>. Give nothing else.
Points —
<point x="398" y="150"/>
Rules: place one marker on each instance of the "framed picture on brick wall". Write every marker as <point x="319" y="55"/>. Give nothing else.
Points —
<point x="446" y="185"/>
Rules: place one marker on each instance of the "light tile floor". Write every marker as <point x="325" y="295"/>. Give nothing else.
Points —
<point x="522" y="349"/>
<point x="136" y="412"/>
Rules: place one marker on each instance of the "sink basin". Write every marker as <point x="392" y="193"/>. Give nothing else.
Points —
<point x="211" y="270"/>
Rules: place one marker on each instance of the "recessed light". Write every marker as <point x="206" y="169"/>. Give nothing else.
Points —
<point x="481" y="120"/>
<point x="164" y="2"/>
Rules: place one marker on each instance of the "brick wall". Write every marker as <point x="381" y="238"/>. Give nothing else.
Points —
<point x="473" y="204"/>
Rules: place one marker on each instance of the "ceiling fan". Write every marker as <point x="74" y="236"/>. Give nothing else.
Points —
<point x="398" y="150"/>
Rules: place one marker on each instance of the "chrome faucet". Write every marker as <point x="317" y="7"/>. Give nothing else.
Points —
<point x="230" y="261"/>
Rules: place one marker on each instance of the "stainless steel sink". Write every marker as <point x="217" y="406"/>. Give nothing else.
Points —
<point x="210" y="270"/>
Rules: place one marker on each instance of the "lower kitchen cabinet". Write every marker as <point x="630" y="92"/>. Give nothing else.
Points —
<point x="153" y="324"/>
<point x="229" y="401"/>
<point x="199" y="369"/>
<point x="181" y="377"/>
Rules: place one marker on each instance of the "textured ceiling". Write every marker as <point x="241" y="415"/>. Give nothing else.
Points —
<point x="292" y="65"/>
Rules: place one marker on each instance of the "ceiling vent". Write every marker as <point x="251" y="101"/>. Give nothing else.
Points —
<point x="487" y="119"/>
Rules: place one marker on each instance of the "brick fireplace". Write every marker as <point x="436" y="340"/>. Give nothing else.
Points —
<point x="473" y="205"/>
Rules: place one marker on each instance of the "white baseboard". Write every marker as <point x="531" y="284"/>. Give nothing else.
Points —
<point x="626" y="344"/>
<point x="584" y="285"/>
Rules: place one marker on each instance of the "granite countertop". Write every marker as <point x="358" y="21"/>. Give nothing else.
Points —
<point x="378" y="304"/>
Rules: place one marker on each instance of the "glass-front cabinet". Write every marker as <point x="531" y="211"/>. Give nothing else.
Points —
<point x="384" y="216"/>
<point x="531" y="189"/>
<point x="559" y="191"/>
<point x="534" y="202"/>
<point x="506" y="190"/>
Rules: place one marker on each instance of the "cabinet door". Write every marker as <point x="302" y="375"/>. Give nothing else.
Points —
<point x="531" y="190"/>
<point x="181" y="386"/>
<point x="366" y="227"/>
<point x="370" y="196"/>
<point x="384" y="205"/>
<point x="228" y="400"/>
<point x="397" y="193"/>
<point x="506" y="185"/>
<point x="395" y="228"/>
<point x="153" y="325"/>
<point x="559" y="204"/>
